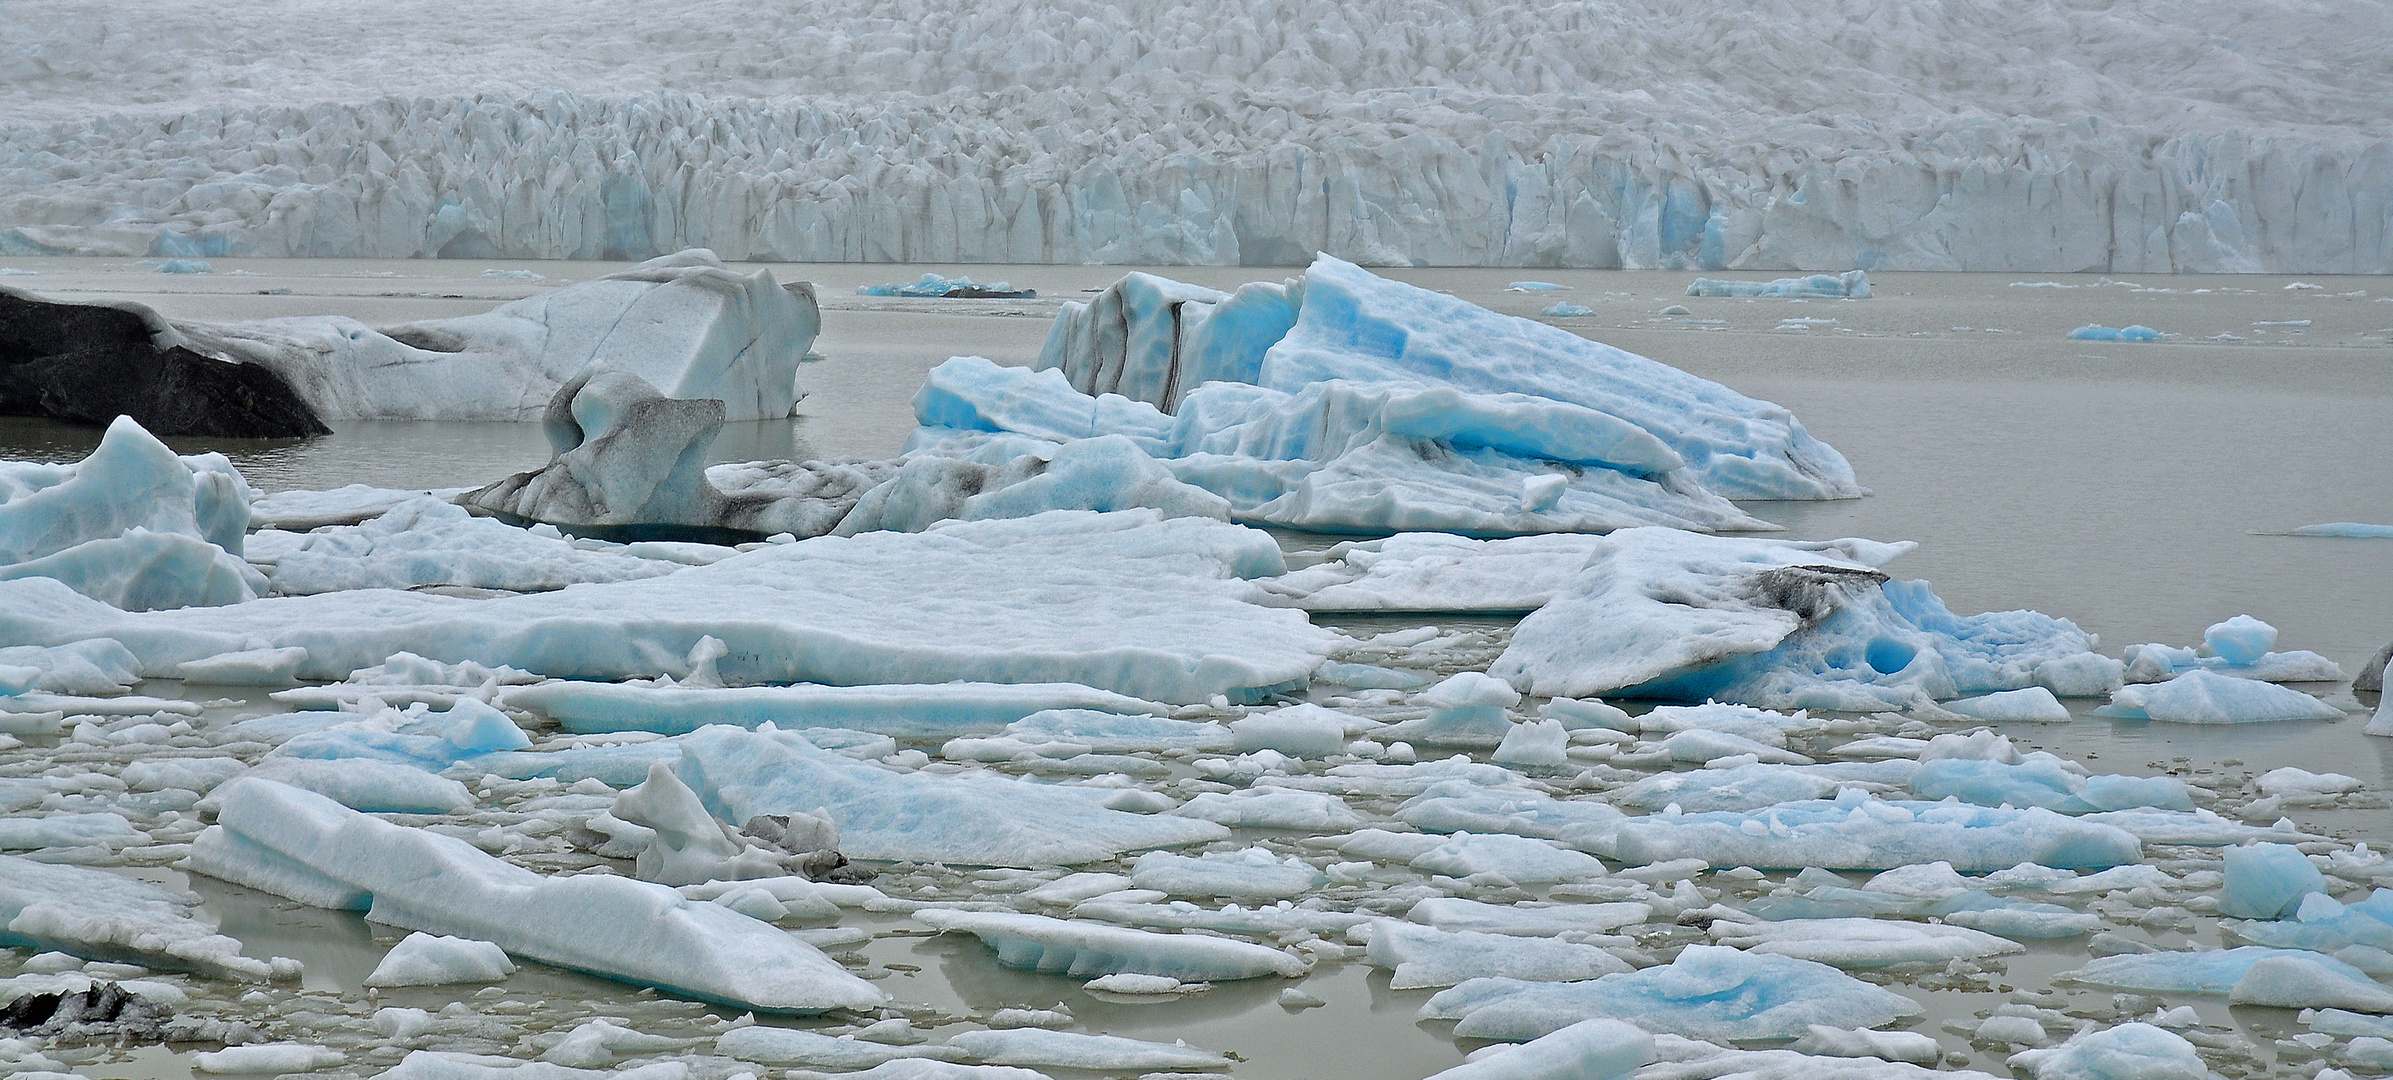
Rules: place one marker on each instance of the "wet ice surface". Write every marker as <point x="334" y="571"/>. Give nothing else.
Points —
<point x="2122" y="486"/>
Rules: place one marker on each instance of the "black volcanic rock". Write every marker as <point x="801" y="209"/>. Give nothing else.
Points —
<point x="90" y="364"/>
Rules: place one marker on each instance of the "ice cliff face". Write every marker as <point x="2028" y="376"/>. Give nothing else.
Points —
<point x="1644" y="133"/>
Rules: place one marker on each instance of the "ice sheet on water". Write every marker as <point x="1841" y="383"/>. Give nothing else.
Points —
<point x="1083" y="949"/>
<point x="1852" y="284"/>
<point x="914" y="711"/>
<point x="1709" y="992"/>
<point x="104" y="916"/>
<point x="1854" y="831"/>
<point x="884" y="814"/>
<point x="301" y="845"/>
<point x="996" y="601"/>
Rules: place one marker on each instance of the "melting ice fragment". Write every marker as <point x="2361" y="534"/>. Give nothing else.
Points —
<point x="1085" y="949"/>
<point x="1853" y="284"/>
<point x="1709" y="992"/>
<point x="1857" y="832"/>
<point x="301" y="845"/>
<point x="104" y="916"/>
<point x="2207" y="697"/>
<point x="1597" y="1049"/>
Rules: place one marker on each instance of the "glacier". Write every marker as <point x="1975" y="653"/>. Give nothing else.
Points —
<point x="1634" y="133"/>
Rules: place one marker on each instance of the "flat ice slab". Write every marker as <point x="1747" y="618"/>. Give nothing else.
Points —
<point x="916" y="711"/>
<point x="1121" y="602"/>
<point x="301" y="845"/>
<point x="103" y="916"/>
<point x="1709" y="992"/>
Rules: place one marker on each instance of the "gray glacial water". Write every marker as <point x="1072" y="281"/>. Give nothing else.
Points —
<point x="2133" y="488"/>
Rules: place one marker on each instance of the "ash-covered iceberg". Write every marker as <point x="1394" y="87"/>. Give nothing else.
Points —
<point x="1343" y="401"/>
<point x="683" y="322"/>
<point x="133" y="525"/>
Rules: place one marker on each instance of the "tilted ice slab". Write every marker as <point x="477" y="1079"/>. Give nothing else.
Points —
<point x="1083" y="949"/>
<point x="301" y="845"/>
<point x="132" y="525"/>
<point x="1781" y="624"/>
<point x="916" y="711"/>
<point x="103" y="916"/>
<point x="1120" y="602"/>
<point x="884" y="814"/>
<point x="1709" y="992"/>
<point x="683" y="322"/>
<point x="1856" y="832"/>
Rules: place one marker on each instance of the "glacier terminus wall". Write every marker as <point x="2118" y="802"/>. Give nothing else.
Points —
<point x="2141" y="136"/>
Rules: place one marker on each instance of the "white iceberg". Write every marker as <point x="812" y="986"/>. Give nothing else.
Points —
<point x="1709" y="992"/>
<point x="2138" y="1051"/>
<point x="132" y="525"/>
<point x="301" y="845"/>
<point x="2202" y="696"/>
<point x="1073" y="1050"/>
<point x="682" y="322"/>
<point x="1421" y="956"/>
<point x="1085" y="949"/>
<point x="1588" y="1050"/>
<point x="422" y="959"/>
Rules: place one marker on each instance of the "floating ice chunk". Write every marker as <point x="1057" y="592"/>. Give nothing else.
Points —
<point x="2034" y="703"/>
<point x="1702" y="744"/>
<point x="960" y="287"/>
<point x="1857" y="832"/>
<point x="250" y="667"/>
<point x="682" y="322"/>
<point x="1453" y="913"/>
<point x="1250" y="874"/>
<point x="304" y="846"/>
<point x="1580" y="714"/>
<point x="302" y="510"/>
<point x="1520" y="859"/>
<point x="2207" y="697"/>
<point x="375" y="787"/>
<point x="2042" y="780"/>
<point x="689" y="846"/>
<point x="597" y="1042"/>
<point x="268" y="1058"/>
<point x="2296" y="981"/>
<point x="90" y="667"/>
<point x="2267" y="881"/>
<point x="2157" y="663"/>
<point x="428" y="541"/>
<point x="133" y="524"/>
<point x="2293" y="781"/>
<point x="104" y="916"/>
<point x="1688" y="1059"/>
<point x="1560" y="310"/>
<point x="2212" y="973"/>
<point x="883" y="814"/>
<point x="1086" y="949"/>
<point x="1751" y="787"/>
<point x="66" y="830"/>
<point x="1305" y="731"/>
<point x="2351" y="529"/>
<point x="1127" y="983"/>
<point x="1416" y="571"/>
<point x="1539" y="742"/>
<point x="1457" y="805"/>
<point x="1852" y="284"/>
<point x="1421" y="956"/>
<point x="2125" y="1052"/>
<point x="790" y="1046"/>
<point x="916" y="711"/>
<point x="1597" y="1049"/>
<point x="435" y="1065"/>
<point x="2240" y="641"/>
<point x="422" y="959"/>
<point x="1072" y="1050"/>
<point x="1261" y="808"/>
<point x="1680" y="616"/>
<point x="1709" y="992"/>
<point x="180" y="266"/>
<point x="2092" y="332"/>
<point x="1862" y="943"/>
<point x="1910" y="1046"/>
<point x="1467" y="709"/>
<point x="1536" y="286"/>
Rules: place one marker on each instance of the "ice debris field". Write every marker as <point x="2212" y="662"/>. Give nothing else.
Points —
<point x="1594" y="775"/>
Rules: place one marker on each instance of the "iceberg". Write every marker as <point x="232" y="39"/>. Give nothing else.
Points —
<point x="1073" y="1050"/>
<point x="1247" y="875"/>
<point x="1680" y="616"/>
<point x="914" y="711"/>
<point x="884" y="814"/>
<point x="2125" y="1052"/>
<point x="1709" y="992"/>
<point x="683" y="323"/>
<point x="1084" y="949"/>
<point x="2212" y="973"/>
<point x="1852" y="284"/>
<point x="2350" y="529"/>
<point x="960" y="287"/>
<point x="103" y="916"/>
<point x="2202" y="696"/>
<point x="1018" y="601"/>
<point x="1421" y="956"/>
<point x="133" y="525"/>
<point x="1597" y="1049"/>
<point x="306" y="847"/>
<point x="2267" y="881"/>
<point x="422" y="959"/>
<point x="2114" y="333"/>
<point x="1856" y="832"/>
<point x="1861" y="942"/>
<point x="1344" y="401"/>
